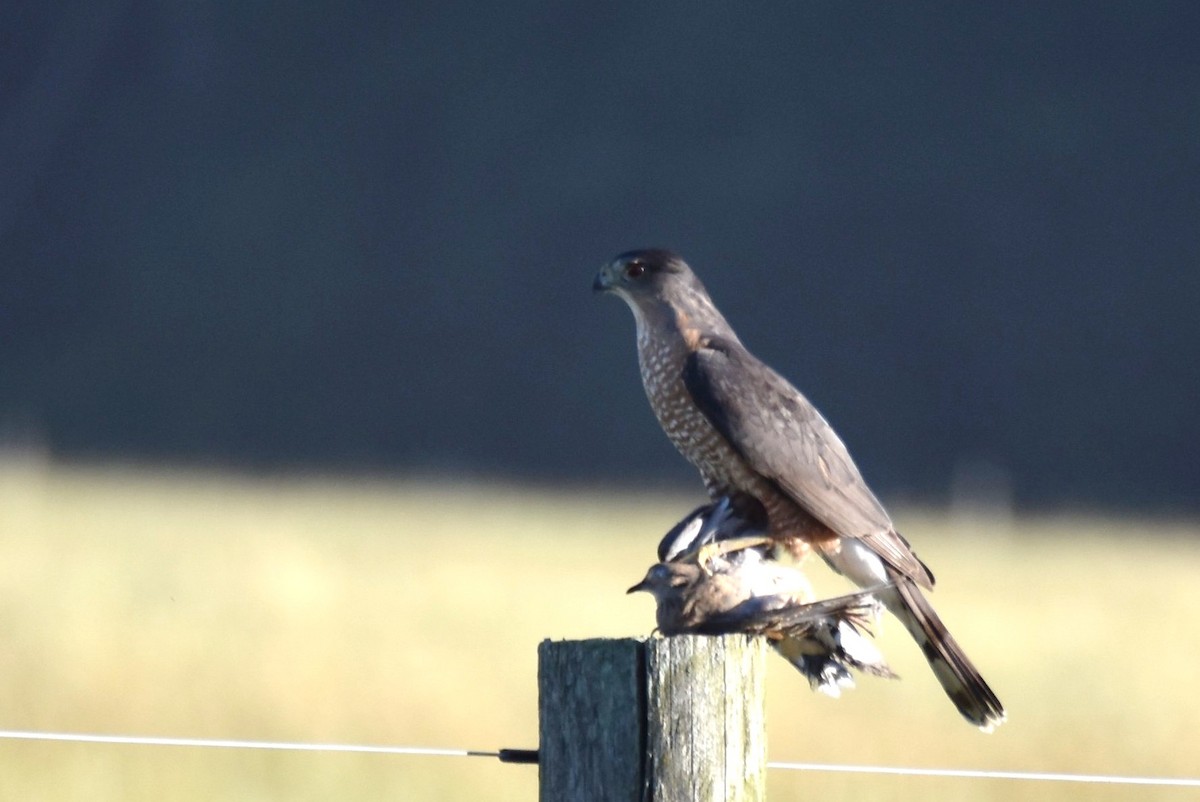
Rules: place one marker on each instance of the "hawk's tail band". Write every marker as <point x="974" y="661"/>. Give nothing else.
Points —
<point x="958" y="676"/>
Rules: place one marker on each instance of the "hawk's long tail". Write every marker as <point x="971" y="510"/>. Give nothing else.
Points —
<point x="958" y="677"/>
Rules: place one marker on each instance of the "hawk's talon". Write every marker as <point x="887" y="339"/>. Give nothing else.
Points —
<point x="706" y="555"/>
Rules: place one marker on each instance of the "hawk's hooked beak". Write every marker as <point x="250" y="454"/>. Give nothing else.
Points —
<point x="603" y="281"/>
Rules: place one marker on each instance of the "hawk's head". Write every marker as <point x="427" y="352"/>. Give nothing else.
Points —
<point x="656" y="280"/>
<point x="643" y="275"/>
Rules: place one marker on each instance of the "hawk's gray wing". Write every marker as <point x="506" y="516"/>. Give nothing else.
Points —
<point x="783" y="437"/>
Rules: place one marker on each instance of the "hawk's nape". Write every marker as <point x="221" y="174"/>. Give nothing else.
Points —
<point x="752" y="434"/>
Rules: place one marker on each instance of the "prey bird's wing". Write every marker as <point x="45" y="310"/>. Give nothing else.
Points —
<point x="703" y="526"/>
<point x="687" y="535"/>
<point x="824" y="640"/>
<point x="783" y="614"/>
<point x="783" y="438"/>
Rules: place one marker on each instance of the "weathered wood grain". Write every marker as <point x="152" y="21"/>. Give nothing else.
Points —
<point x="663" y="720"/>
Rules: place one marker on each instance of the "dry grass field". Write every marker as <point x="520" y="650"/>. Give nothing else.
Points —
<point x="408" y="613"/>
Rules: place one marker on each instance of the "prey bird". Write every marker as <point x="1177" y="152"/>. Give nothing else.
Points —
<point x="715" y="577"/>
<point x="755" y="438"/>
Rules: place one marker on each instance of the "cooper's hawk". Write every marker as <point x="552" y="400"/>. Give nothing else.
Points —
<point x="714" y="577"/>
<point x="753" y="436"/>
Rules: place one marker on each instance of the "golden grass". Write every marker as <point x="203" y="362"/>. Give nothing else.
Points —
<point x="409" y="613"/>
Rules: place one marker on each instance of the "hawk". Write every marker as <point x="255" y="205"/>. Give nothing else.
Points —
<point x="714" y="577"/>
<point x="756" y="438"/>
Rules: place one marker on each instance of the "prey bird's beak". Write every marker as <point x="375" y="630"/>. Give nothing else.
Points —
<point x="639" y="586"/>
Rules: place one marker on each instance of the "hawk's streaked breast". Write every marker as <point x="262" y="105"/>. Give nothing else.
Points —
<point x="661" y="360"/>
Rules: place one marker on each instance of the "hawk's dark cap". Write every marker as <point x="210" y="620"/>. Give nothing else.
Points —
<point x="654" y="259"/>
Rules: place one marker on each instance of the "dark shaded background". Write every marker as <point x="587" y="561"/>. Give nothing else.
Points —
<point x="362" y="235"/>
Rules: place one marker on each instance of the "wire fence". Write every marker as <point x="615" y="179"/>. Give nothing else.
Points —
<point x="530" y="756"/>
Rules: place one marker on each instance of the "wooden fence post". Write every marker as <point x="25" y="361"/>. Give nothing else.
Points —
<point x="664" y="720"/>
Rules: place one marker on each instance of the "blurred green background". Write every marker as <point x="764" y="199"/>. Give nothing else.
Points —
<point x="311" y="429"/>
<point x="405" y="613"/>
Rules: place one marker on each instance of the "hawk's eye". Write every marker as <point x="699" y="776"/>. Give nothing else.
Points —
<point x="635" y="269"/>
